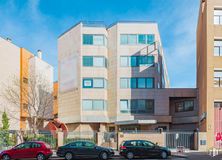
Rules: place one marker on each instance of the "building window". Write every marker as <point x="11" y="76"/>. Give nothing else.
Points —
<point x="134" y="39"/>
<point x="88" y="61"/>
<point x="136" y="61"/>
<point x="133" y="83"/>
<point x="218" y="104"/>
<point x="203" y="142"/>
<point x="98" y="40"/>
<point x="98" y="83"/>
<point x="124" y="82"/>
<point x="150" y="38"/>
<point x="149" y="82"/>
<point x="218" y="16"/>
<point x="141" y="83"/>
<point x="137" y="106"/>
<point x="124" y="61"/>
<point x="98" y="61"/>
<point x="94" y="61"/>
<point x="124" y="106"/>
<point x="25" y="80"/>
<point x="87" y="83"/>
<point x="94" y="83"/>
<point x="217" y="47"/>
<point x="217" y="78"/>
<point x="137" y="83"/>
<point x="184" y="106"/>
<point x="90" y="39"/>
<point x="123" y="39"/>
<point x="94" y="105"/>
<point x="133" y="61"/>
<point x="87" y="105"/>
<point x="142" y="39"/>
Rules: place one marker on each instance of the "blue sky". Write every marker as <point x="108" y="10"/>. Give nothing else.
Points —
<point x="36" y="24"/>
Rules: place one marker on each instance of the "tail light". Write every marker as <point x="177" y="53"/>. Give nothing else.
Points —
<point x="123" y="147"/>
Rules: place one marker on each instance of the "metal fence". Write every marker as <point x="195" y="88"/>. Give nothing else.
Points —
<point x="180" y="139"/>
<point x="106" y="139"/>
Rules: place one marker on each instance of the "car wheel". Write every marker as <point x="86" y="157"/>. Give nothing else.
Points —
<point x="164" y="155"/>
<point x="68" y="156"/>
<point x="6" y="157"/>
<point x="104" y="156"/>
<point x="41" y="156"/>
<point x="130" y="155"/>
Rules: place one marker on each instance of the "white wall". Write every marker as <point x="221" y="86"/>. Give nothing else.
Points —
<point x="9" y="68"/>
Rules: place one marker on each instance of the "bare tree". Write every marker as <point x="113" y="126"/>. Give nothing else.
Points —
<point x="33" y="96"/>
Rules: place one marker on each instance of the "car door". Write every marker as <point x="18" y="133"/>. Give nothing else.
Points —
<point x="90" y="150"/>
<point x="132" y="146"/>
<point x="150" y="149"/>
<point x="22" y="151"/>
<point x="76" y="149"/>
<point x="34" y="150"/>
<point x="141" y="150"/>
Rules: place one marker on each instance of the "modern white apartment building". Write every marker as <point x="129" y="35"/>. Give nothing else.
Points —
<point x="115" y="78"/>
<point x="18" y="64"/>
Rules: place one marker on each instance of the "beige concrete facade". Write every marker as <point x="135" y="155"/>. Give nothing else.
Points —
<point x="71" y="51"/>
<point x="207" y="32"/>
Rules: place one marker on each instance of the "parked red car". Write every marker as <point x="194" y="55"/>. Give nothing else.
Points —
<point x="35" y="149"/>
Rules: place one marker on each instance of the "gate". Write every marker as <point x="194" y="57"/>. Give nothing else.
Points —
<point x="109" y="139"/>
<point x="180" y="139"/>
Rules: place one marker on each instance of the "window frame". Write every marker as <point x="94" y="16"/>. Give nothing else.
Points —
<point x="149" y="39"/>
<point x="219" y="78"/>
<point x="217" y="16"/>
<point x="133" y="106"/>
<point x="104" y="103"/>
<point x="183" y="108"/>
<point x="87" y="79"/>
<point x="93" y="40"/>
<point x="92" y="64"/>
<point x="218" y="47"/>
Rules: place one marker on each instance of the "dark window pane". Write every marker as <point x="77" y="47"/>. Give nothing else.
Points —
<point x="133" y="83"/>
<point x="88" y="39"/>
<point x="150" y="38"/>
<point x="142" y="39"/>
<point x="87" y="61"/>
<point x="134" y="61"/>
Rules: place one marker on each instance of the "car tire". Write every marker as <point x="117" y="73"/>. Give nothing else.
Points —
<point x="129" y="155"/>
<point x="164" y="155"/>
<point x="103" y="156"/>
<point x="69" y="156"/>
<point x="41" y="156"/>
<point x="6" y="157"/>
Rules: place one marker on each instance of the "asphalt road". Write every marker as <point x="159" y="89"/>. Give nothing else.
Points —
<point x="121" y="158"/>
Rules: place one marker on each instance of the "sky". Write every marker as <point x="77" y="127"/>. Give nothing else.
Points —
<point x="36" y="24"/>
